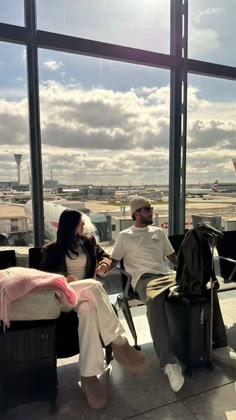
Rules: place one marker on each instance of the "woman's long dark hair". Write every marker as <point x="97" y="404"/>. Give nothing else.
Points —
<point x="66" y="238"/>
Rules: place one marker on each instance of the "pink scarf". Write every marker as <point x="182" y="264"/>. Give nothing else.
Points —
<point x="16" y="282"/>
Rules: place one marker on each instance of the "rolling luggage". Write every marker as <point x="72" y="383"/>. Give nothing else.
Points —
<point x="28" y="368"/>
<point x="190" y="324"/>
<point x="190" y="315"/>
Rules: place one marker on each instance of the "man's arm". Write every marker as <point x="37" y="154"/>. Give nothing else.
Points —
<point x="117" y="252"/>
<point x="172" y="258"/>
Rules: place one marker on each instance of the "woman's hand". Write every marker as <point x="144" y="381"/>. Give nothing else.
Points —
<point x="102" y="268"/>
<point x="70" y="278"/>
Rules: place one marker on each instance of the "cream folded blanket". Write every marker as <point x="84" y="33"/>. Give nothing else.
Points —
<point x="16" y="282"/>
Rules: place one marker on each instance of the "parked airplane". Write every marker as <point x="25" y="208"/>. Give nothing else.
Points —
<point x="234" y="163"/>
<point x="52" y="212"/>
<point x="215" y="192"/>
<point x="221" y="193"/>
<point x="200" y="192"/>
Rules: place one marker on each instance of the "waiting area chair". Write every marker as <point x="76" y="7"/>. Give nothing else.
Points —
<point x="26" y="346"/>
<point x="67" y="343"/>
<point x="128" y="299"/>
<point x="30" y="345"/>
<point x="7" y="259"/>
<point x="226" y="248"/>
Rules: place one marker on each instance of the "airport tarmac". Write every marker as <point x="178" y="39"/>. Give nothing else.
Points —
<point x="212" y="206"/>
<point x="223" y="206"/>
<point x="223" y="203"/>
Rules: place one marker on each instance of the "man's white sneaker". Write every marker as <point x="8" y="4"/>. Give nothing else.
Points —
<point x="174" y="373"/>
<point x="225" y="355"/>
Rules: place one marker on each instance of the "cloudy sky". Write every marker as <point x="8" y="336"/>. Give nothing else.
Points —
<point x="106" y="122"/>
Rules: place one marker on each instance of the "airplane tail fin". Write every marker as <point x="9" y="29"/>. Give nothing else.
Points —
<point x="234" y="163"/>
<point x="214" y="186"/>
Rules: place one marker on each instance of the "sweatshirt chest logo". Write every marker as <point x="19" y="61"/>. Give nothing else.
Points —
<point x="155" y="238"/>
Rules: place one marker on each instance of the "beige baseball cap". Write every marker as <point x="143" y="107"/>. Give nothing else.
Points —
<point x="137" y="203"/>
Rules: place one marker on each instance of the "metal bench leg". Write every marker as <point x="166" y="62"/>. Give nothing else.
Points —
<point x="124" y="305"/>
<point x="232" y="273"/>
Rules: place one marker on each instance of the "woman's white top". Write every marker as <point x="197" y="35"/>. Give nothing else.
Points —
<point x="77" y="263"/>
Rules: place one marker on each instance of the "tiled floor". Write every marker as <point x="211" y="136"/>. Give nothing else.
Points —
<point x="205" y="395"/>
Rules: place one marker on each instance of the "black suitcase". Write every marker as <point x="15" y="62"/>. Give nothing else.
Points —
<point x="190" y="318"/>
<point x="28" y="366"/>
<point x="190" y="324"/>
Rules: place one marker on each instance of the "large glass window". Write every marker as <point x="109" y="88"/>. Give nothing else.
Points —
<point x="212" y="31"/>
<point x="141" y="24"/>
<point x="12" y="11"/>
<point x="211" y="177"/>
<point x="14" y="147"/>
<point x="105" y="129"/>
<point x="105" y="124"/>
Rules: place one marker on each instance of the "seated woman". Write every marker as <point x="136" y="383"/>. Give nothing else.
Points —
<point x="79" y="257"/>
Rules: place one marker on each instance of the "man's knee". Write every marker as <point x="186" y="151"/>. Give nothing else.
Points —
<point x="156" y="310"/>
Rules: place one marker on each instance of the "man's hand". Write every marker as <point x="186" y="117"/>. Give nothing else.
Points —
<point x="102" y="268"/>
<point x="114" y="264"/>
<point x="173" y="259"/>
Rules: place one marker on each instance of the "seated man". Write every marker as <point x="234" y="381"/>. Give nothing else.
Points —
<point x="144" y="249"/>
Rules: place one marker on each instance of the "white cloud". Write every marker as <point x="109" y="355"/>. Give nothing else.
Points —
<point x="103" y="119"/>
<point x="203" y="42"/>
<point x="206" y="30"/>
<point x="208" y="12"/>
<point x="105" y="136"/>
<point x="209" y="133"/>
<point x="53" y="65"/>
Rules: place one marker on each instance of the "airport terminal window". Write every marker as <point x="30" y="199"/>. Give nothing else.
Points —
<point x="143" y="24"/>
<point x="212" y="31"/>
<point x="107" y="122"/>
<point x="105" y="130"/>
<point x="14" y="134"/>
<point x="12" y="12"/>
<point x="211" y="176"/>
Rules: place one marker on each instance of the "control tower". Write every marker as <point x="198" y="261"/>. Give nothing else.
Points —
<point x="18" y="158"/>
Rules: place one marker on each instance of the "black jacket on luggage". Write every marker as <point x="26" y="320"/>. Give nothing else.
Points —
<point x="195" y="258"/>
